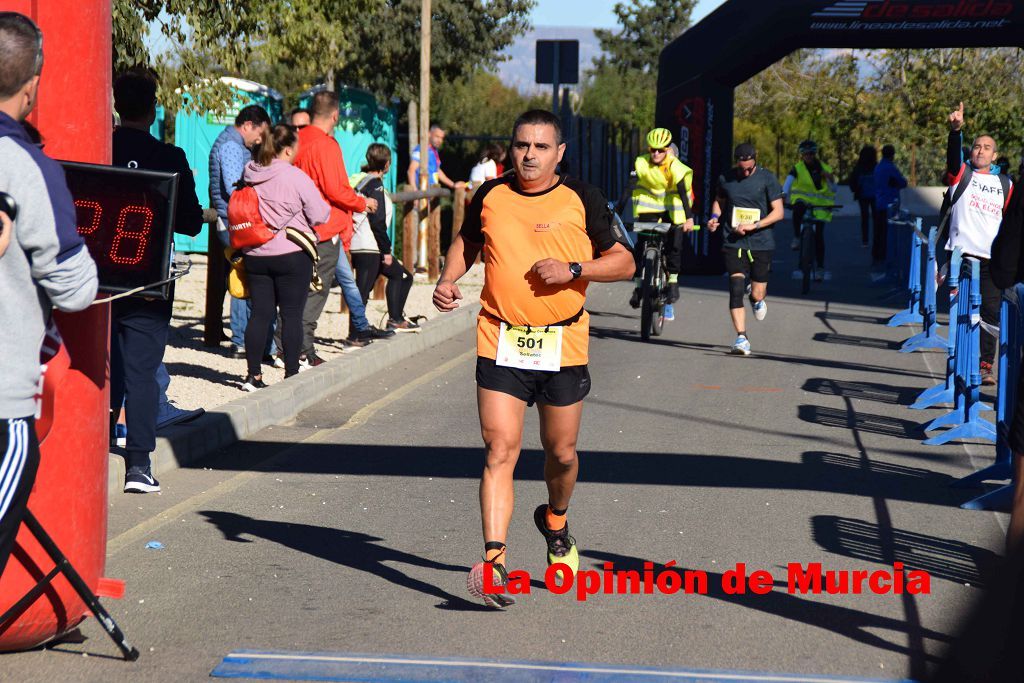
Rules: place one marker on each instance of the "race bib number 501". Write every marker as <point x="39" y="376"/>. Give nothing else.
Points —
<point x="530" y="348"/>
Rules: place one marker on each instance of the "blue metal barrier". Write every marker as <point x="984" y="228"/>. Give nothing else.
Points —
<point x="1011" y="339"/>
<point x="928" y="338"/>
<point x="912" y="313"/>
<point x="965" y="418"/>
<point x="943" y="392"/>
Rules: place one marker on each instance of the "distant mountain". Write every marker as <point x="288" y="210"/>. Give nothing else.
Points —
<point x="519" y="70"/>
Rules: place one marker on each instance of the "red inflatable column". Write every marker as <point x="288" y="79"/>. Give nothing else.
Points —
<point x="73" y="115"/>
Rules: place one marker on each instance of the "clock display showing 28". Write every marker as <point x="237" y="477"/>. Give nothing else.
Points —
<point x="125" y="217"/>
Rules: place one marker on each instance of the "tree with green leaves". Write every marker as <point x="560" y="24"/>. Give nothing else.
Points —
<point x="206" y="38"/>
<point x="384" y="53"/>
<point x="292" y="44"/>
<point x="849" y="99"/>
<point x="622" y="86"/>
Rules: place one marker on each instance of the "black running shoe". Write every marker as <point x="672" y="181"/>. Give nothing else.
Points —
<point x="561" y="546"/>
<point x="403" y="325"/>
<point x="673" y="292"/>
<point x="253" y="384"/>
<point x="140" y="481"/>
<point x="371" y="333"/>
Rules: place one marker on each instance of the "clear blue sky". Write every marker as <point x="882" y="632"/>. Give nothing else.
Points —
<point x="596" y="13"/>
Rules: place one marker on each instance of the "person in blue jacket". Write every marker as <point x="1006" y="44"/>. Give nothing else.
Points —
<point x="888" y="183"/>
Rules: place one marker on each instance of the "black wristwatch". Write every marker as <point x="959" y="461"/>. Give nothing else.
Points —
<point x="576" y="270"/>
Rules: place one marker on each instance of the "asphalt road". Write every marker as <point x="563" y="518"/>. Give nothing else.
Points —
<point x="352" y="529"/>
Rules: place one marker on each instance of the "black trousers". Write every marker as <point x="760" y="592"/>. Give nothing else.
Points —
<point x="138" y="335"/>
<point x="878" y="249"/>
<point x="276" y="282"/>
<point x="368" y="266"/>
<point x="328" y="252"/>
<point x="799" y="209"/>
<point x="867" y="207"/>
<point x="19" y="461"/>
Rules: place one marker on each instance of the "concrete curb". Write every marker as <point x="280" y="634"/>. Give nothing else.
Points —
<point x="188" y="443"/>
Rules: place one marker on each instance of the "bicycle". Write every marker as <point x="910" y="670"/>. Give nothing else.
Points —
<point x="653" y="278"/>
<point x="808" y="239"/>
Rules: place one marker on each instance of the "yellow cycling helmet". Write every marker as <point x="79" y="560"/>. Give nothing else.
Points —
<point x="659" y="138"/>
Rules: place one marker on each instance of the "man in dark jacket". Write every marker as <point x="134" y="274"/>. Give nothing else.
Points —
<point x="1007" y="269"/>
<point x="139" y="326"/>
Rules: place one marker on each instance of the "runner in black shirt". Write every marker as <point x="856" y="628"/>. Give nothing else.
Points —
<point x="748" y="203"/>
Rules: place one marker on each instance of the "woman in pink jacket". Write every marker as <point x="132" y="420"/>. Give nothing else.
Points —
<point x="279" y="271"/>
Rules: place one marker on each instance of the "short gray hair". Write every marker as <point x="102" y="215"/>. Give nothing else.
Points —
<point x="21" y="52"/>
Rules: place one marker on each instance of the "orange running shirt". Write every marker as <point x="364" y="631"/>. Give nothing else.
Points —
<point x="569" y="222"/>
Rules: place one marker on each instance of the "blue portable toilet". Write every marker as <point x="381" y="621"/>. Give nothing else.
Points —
<point x="159" y="126"/>
<point x="195" y="132"/>
<point x="362" y="122"/>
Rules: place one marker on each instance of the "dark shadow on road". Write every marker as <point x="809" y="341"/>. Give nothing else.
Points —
<point x="613" y="314"/>
<point x="680" y="417"/>
<point x="599" y="332"/>
<point x="348" y="548"/>
<point x="943" y="558"/>
<point x="861" y="342"/>
<point x="864" y="422"/>
<point x="862" y="391"/>
<point x="816" y="471"/>
<point x="828" y="316"/>
<point x="205" y="373"/>
<point x="851" y="623"/>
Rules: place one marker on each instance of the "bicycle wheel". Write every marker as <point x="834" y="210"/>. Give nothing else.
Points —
<point x="649" y="309"/>
<point x="660" y="297"/>
<point x="806" y="254"/>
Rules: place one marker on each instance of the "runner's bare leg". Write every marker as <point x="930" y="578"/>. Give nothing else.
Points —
<point x="758" y="290"/>
<point x="559" y="429"/>
<point x="501" y="424"/>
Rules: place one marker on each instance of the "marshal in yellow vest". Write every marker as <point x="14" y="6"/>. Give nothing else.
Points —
<point x="656" y="189"/>
<point x="803" y="189"/>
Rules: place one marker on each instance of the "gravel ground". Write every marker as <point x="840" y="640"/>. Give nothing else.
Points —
<point x="204" y="377"/>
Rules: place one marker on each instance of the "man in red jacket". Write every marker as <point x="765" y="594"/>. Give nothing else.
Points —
<point x="321" y="159"/>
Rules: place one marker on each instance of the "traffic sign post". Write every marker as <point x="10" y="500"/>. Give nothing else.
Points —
<point x="558" y="63"/>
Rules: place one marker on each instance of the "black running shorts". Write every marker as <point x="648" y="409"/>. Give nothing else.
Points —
<point x="757" y="263"/>
<point x="563" y="388"/>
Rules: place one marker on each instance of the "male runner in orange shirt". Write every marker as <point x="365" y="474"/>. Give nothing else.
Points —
<point x="547" y="236"/>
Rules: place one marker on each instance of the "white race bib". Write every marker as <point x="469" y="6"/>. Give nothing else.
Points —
<point x="742" y="216"/>
<point x="530" y="348"/>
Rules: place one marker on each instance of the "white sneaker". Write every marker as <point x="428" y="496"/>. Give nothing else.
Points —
<point x="741" y="347"/>
<point x="760" y="309"/>
<point x="795" y="244"/>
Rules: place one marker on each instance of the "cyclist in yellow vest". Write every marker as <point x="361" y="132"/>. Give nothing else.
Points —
<point x="811" y="183"/>
<point x="663" y="193"/>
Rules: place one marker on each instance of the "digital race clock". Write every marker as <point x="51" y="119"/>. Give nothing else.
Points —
<point x="126" y="217"/>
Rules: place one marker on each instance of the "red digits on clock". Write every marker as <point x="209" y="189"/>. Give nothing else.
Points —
<point x="94" y="223"/>
<point x="140" y="235"/>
